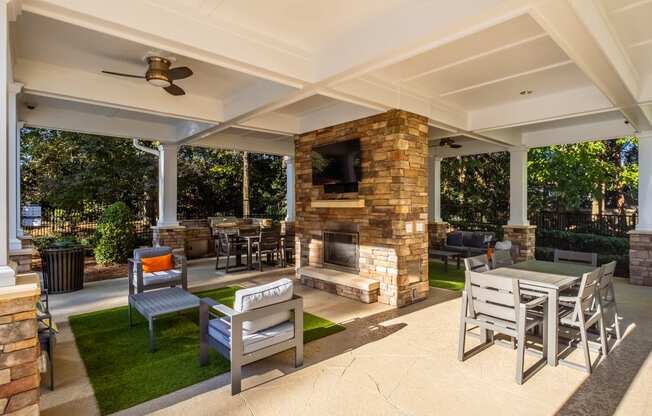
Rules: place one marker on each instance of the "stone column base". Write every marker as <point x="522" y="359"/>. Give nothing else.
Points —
<point x="525" y="237"/>
<point x="174" y="237"/>
<point x="23" y="259"/>
<point x="640" y="258"/>
<point x="437" y="232"/>
<point x="19" y="348"/>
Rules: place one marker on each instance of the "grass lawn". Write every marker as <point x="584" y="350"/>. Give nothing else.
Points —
<point x="122" y="371"/>
<point x="453" y="279"/>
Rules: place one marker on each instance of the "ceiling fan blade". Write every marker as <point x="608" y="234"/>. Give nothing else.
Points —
<point x="455" y="146"/>
<point x="120" y="74"/>
<point x="180" y="72"/>
<point x="175" y="90"/>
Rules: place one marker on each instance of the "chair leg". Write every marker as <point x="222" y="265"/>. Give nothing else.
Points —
<point x="462" y="335"/>
<point x="260" y="262"/>
<point x="585" y="347"/>
<point x="616" y="321"/>
<point x="520" y="353"/>
<point x="603" y="334"/>
<point x="228" y="257"/>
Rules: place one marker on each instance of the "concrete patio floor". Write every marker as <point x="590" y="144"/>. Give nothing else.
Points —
<point x="387" y="362"/>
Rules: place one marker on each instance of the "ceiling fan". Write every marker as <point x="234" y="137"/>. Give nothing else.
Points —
<point x="159" y="74"/>
<point x="450" y="143"/>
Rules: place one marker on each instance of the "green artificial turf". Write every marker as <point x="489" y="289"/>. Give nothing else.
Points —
<point x="124" y="373"/>
<point x="453" y="279"/>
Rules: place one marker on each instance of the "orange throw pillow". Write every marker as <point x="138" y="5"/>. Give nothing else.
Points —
<point x="157" y="264"/>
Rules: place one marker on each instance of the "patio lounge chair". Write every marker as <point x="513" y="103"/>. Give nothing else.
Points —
<point x="264" y="321"/>
<point x="566" y="256"/>
<point x="140" y="281"/>
<point x="582" y="311"/>
<point x="494" y="304"/>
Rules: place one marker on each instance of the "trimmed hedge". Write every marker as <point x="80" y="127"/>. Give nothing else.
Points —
<point x="608" y="248"/>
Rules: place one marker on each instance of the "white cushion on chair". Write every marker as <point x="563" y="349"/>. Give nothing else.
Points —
<point x="220" y="330"/>
<point x="261" y="296"/>
<point x="153" y="278"/>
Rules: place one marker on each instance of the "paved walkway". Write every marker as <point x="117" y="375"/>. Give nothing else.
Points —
<point x="396" y="362"/>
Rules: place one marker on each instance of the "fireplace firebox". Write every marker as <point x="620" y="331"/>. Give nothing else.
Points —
<point x="341" y="250"/>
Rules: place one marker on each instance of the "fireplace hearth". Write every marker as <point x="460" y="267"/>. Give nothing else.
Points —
<point x="341" y="250"/>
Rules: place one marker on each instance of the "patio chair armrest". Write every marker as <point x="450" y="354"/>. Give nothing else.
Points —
<point x="215" y="305"/>
<point x="180" y="260"/>
<point x="536" y="302"/>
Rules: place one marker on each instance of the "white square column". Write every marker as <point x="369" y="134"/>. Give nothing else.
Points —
<point x="13" y="187"/>
<point x="290" y="209"/>
<point x="434" y="188"/>
<point x="167" y="186"/>
<point x="518" y="187"/>
<point x="7" y="274"/>
<point x="644" y="182"/>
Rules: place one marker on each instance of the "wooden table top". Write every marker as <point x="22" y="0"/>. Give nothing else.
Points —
<point x="545" y="274"/>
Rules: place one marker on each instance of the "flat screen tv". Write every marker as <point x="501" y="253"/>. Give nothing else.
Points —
<point x="337" y="166"/>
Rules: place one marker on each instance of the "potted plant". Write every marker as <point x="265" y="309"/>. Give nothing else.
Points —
<point x="62" y="262"/>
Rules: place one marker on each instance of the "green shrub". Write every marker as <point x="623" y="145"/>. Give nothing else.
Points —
<point x="55" y="241"/>
<point x="568" y="240"/>
<point x="115" y="235"/>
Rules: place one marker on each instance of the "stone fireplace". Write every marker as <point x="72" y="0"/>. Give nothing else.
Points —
<point x="370" y="245"/>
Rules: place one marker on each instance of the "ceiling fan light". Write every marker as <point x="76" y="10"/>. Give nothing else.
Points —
<point x="159" y="81"/>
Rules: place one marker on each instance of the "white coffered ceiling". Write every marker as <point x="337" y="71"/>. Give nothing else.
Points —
<point x="493" y="72"/>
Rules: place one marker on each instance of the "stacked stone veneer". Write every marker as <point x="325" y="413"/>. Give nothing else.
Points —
<point x="392" y="226"/>
<point x="19" y="352"/>
<point x="640" y="258"/>
<point x="525" y="237"/>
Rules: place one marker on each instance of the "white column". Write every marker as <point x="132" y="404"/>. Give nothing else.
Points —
<point x="518" y="187"/>
<point x="644" y="182"/>
<point x="13" y="166"/>
<point x="7" y="274"/>
<point x="434" y="188"/>
<point x="167" y="185"/>
<point x="289" y="193"/>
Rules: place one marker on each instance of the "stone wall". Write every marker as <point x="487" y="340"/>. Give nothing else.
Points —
<point x="525" y="237"/>
<point x="19" y="352"/>
<point x="640" y="258"/>
<point x="392" y="224"/>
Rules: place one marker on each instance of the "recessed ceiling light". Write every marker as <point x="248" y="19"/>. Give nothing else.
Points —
<point x="526" y="92"/>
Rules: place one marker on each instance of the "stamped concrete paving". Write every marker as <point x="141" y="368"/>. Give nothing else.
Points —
<point x="400" y="362"/>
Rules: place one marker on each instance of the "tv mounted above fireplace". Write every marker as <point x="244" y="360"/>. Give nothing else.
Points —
<point x="337" y="166"/>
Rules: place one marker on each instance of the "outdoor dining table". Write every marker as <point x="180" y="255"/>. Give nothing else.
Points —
<point x="547" y="278"/>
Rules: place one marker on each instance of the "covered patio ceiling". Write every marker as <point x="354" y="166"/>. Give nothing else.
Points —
<point x="494" y="75"/>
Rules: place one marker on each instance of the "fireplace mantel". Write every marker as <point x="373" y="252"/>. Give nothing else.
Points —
<point x="337" y="203"/>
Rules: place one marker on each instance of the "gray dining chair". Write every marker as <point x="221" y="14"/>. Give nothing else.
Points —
<point x="501" y="258"/>
<point x="567" y="256"/>
<point x="584" y="311"/>
<point x="264" y="321"/>
<point x="477" y="264"/>
<point x="608" y="295"/>
<point x="494" y="304"/>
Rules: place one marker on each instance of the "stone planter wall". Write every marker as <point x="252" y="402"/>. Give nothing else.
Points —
<point x="525" y="237"/>
<point x="392" y="225"/>
<point x="437" y="232"/>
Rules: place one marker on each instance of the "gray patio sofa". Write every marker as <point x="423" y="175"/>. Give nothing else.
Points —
<point x="469" y="243"/>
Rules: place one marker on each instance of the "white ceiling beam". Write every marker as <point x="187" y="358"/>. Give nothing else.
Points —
<point x="564" y="24"/>
<point x="68" y="119"/>
<point x="75" y="85"/>
<point x="143" y="22"/>
<point x="565" y="104"/>
<point x="273" y="122"/>
<point x="581" y="132"/>
<point x="281" y="145"/>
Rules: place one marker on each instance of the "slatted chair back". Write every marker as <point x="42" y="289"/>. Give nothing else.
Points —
<point x="224" y="237"/>
<point x="501" y="258"/>
<point x="478" y="264"/>
<point x="585" y="301"/>
<point x="493" y="297"/>
<point x="566" y="256"/>
<point x="269" y="239"/>
<point x="606" y="282"/>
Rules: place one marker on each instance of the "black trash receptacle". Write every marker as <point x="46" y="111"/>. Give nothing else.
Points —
<point x="63" y="269"/>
